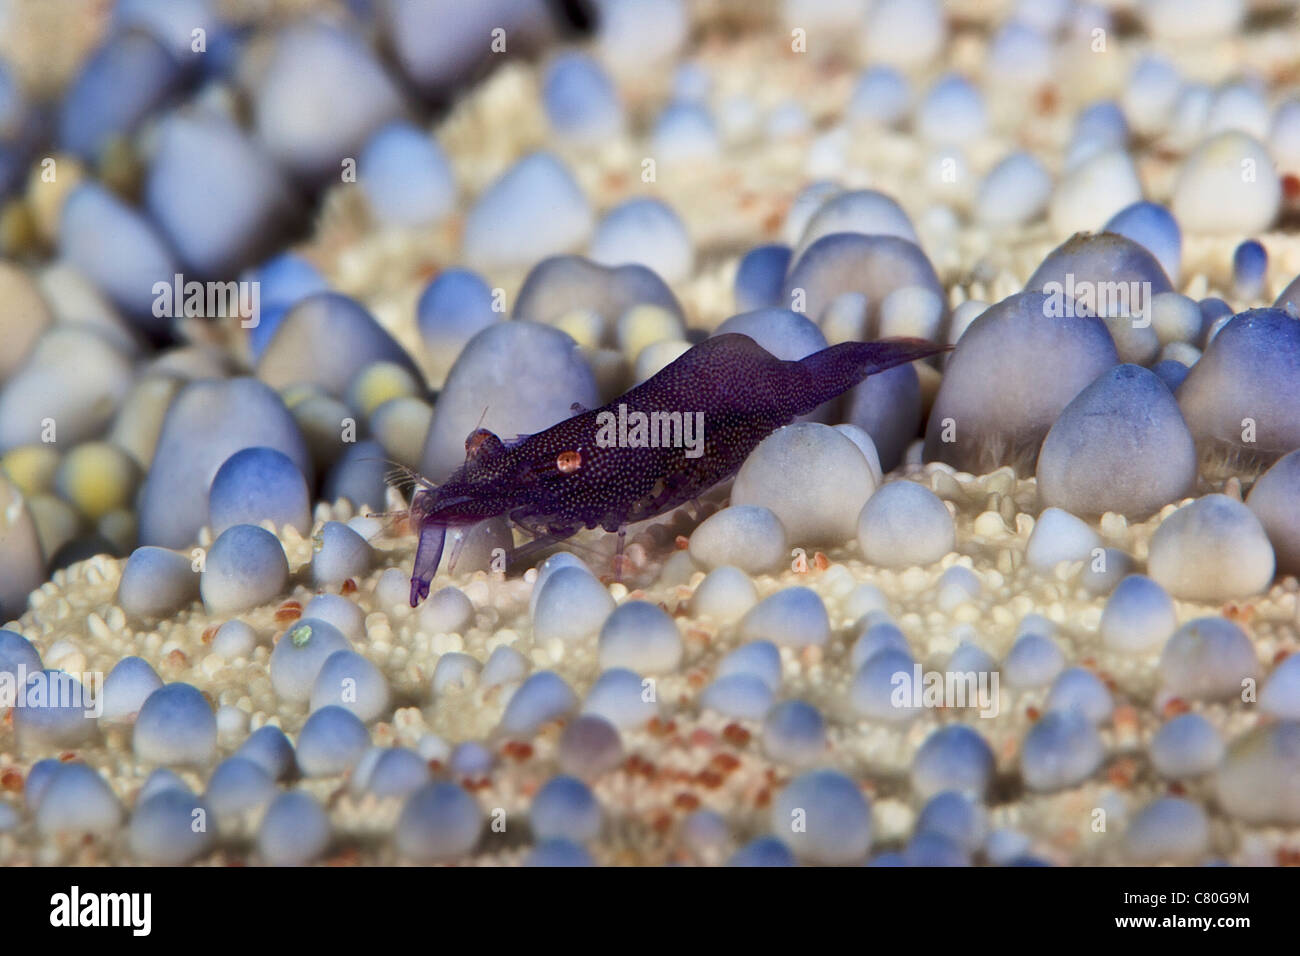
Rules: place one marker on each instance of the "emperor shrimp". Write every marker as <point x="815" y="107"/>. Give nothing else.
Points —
<point x="572" y="476"/>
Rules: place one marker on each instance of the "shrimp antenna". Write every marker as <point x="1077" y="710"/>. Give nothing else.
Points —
<point x="398" y="472"/>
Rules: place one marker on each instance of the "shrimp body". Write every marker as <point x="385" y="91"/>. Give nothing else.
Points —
<point x="702" y="415"/>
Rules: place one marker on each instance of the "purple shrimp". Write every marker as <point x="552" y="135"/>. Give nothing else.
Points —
<point x="569" y="477"/>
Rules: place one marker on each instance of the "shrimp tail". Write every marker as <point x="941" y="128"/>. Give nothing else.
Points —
<point x="833" y="371"/>
<point x="427" y="556"/>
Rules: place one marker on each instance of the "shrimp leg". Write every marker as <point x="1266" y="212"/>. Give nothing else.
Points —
<point x="427" y="555"/>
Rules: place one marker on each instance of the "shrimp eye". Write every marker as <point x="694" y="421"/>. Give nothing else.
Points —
<point x="568" y="461"/>
<point x="481" y="443"/>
